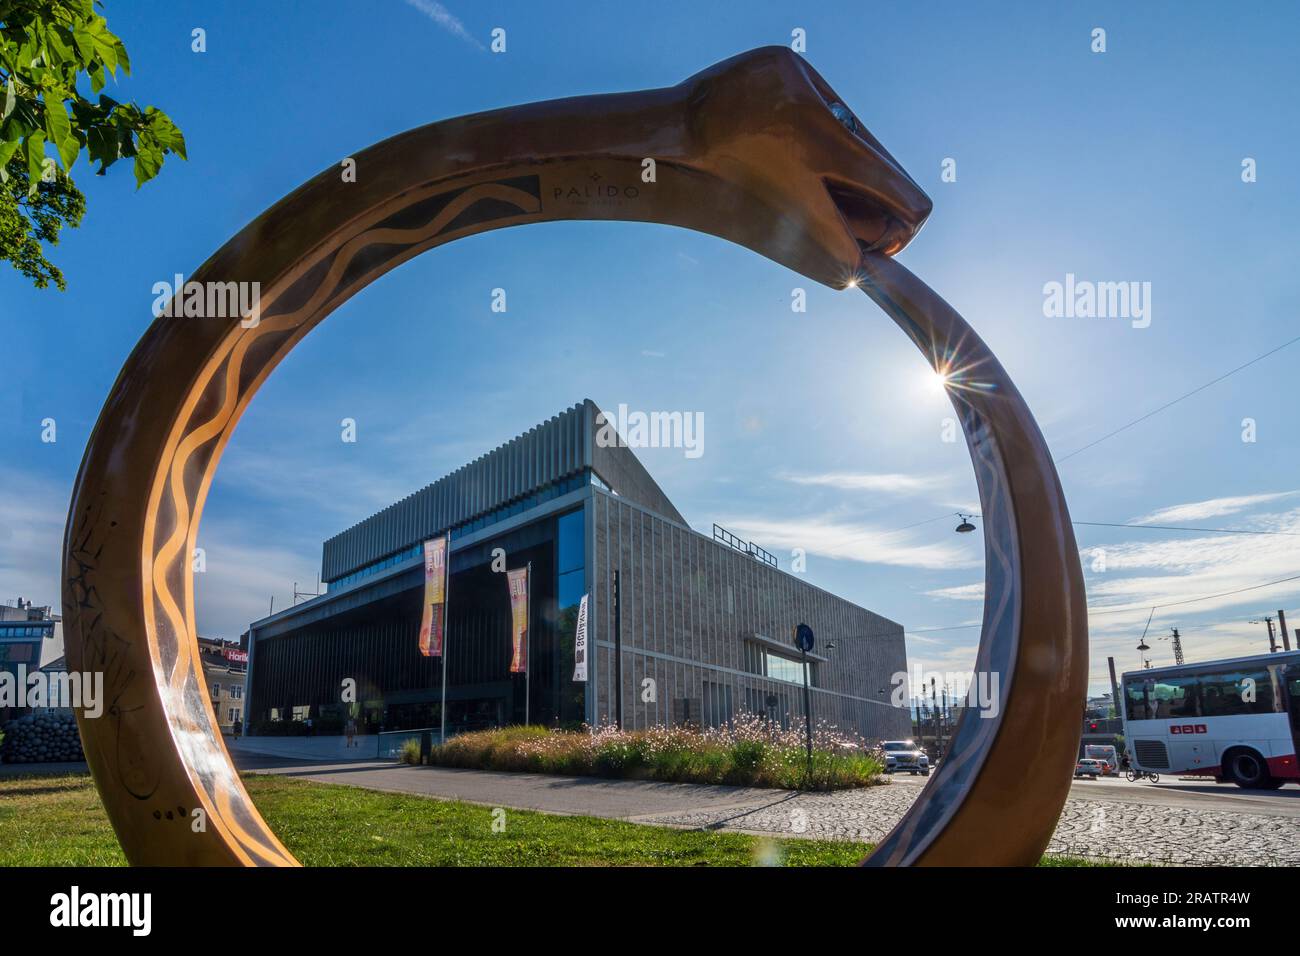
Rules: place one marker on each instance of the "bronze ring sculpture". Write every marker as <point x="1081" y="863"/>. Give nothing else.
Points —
<point x="758" y="150"/>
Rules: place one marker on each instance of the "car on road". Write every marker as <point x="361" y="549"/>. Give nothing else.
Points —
<point x="1089" y="767"/>
<point x="1107" y="754"/>
<point x="905" y="755"/>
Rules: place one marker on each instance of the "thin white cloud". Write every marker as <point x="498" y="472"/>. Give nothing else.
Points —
<point x="1211" y="508"/>
<point x="1164" y="573"/>
<point x="962" y="592"/>
<point x="242" y="576"/>
<point x="885" y="483"/>
<point x="852" y="542"/>
<point x="444" y="18"/>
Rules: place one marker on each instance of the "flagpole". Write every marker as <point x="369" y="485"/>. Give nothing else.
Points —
<point x="528" y="636"/>
<point x="446" y="631"/>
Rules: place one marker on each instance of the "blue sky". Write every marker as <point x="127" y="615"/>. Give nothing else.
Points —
<point x="822" y="429"/>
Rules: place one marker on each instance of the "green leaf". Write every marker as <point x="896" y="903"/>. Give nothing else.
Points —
<point x="56" y="39"/>
<point x="165" y="132"/>
<point x="85" y="49"/>
<point x="59" y="132"/>
<point x="34" y="150"/>
<point x="103" y="145"/>
<point x="105" y="43"/>
<point x="11" y="97"/>
<point x="8" y="150"/>
<point x="148" y="160"/>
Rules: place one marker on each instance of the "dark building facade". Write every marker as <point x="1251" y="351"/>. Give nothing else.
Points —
<point x="705" y="623"/>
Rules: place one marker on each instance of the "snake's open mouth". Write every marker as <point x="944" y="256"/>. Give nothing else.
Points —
<point x="875" y="225"/>
<point x="885" y="208"/>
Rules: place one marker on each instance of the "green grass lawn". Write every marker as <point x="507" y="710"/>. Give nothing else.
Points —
<point x="59" y="821"/>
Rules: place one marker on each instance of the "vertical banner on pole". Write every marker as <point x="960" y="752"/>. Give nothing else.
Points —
<point x="435" y="596"/>
<point x="580" y="643"/>
<point x="518" y="582"/>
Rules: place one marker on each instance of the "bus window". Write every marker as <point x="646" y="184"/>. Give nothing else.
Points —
<point x="1161" y="698"/>
<point x="1176" y="697"/>
<point x="1138" y="700"/>
<point x="1237" y="692"/>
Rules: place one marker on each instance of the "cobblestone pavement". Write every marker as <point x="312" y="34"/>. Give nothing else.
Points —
<point x="1088" y="827"/>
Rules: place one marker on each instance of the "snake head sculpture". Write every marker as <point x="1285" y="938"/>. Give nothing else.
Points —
<point x="768" y="121"/>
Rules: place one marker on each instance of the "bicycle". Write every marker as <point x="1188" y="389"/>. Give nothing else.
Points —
<point x="1135" y="775"/>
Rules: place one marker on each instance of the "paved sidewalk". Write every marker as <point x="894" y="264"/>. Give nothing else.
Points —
<point x="1157" y="825"/>
<point x="587" y="796"/>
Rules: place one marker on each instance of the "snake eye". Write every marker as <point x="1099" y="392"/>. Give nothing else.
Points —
<point x="847" y="119"/>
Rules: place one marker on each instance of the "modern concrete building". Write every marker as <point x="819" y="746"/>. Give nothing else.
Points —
<point x="706" y="620"/>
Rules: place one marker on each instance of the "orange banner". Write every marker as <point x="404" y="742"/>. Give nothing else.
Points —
<point x="435" y="596"/>
<point x="518" y="582"/>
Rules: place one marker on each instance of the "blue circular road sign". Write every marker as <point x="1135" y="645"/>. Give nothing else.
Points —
<point x="803" y="638"/>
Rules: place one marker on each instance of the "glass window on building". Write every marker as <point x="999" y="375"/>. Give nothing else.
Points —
<point x="570" y="555"/>
<point x="216" y="691"/>
<point x="783" y="669"/>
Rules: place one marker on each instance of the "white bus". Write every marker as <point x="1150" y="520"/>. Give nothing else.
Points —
<point x="1236" y="720"/>
<point x="1106" y="753"/>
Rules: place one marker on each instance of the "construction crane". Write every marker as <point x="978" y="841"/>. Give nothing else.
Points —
<point x="1178" y="646"/>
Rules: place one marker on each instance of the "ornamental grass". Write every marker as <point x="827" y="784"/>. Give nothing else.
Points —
<point x="750" y="751"/>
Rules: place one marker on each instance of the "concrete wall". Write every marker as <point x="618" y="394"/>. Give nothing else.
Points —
<point x="307" y="748"/>
<point x="693" y="615"/>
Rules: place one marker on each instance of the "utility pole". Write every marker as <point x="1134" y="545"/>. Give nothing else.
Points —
<point x="934" y="701"/>
<point x="944" y="721"/>
<point x="1114" y="687"/>
<point x="1178" y="647"/>
<point x="618" y="652"/>
<point x="1281" y="626"/>
<point x="1272" y="642"/>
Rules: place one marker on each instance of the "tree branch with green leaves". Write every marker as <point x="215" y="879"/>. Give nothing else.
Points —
<point x="50" y="51"/>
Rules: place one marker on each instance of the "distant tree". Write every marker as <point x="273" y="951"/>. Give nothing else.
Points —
<point x="47" y="49"/>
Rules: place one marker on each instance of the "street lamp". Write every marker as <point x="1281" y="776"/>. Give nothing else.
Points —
<point x="965" y="527"/>
<point x="1143" y="647"/>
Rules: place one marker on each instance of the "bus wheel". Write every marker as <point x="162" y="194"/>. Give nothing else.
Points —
<point x="1246" y="769"/>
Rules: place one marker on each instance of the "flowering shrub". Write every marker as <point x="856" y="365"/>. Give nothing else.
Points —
<point x="750" y="752"/>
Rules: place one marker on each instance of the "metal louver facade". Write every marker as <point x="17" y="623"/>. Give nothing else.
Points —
<point x="549" y="452"/>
